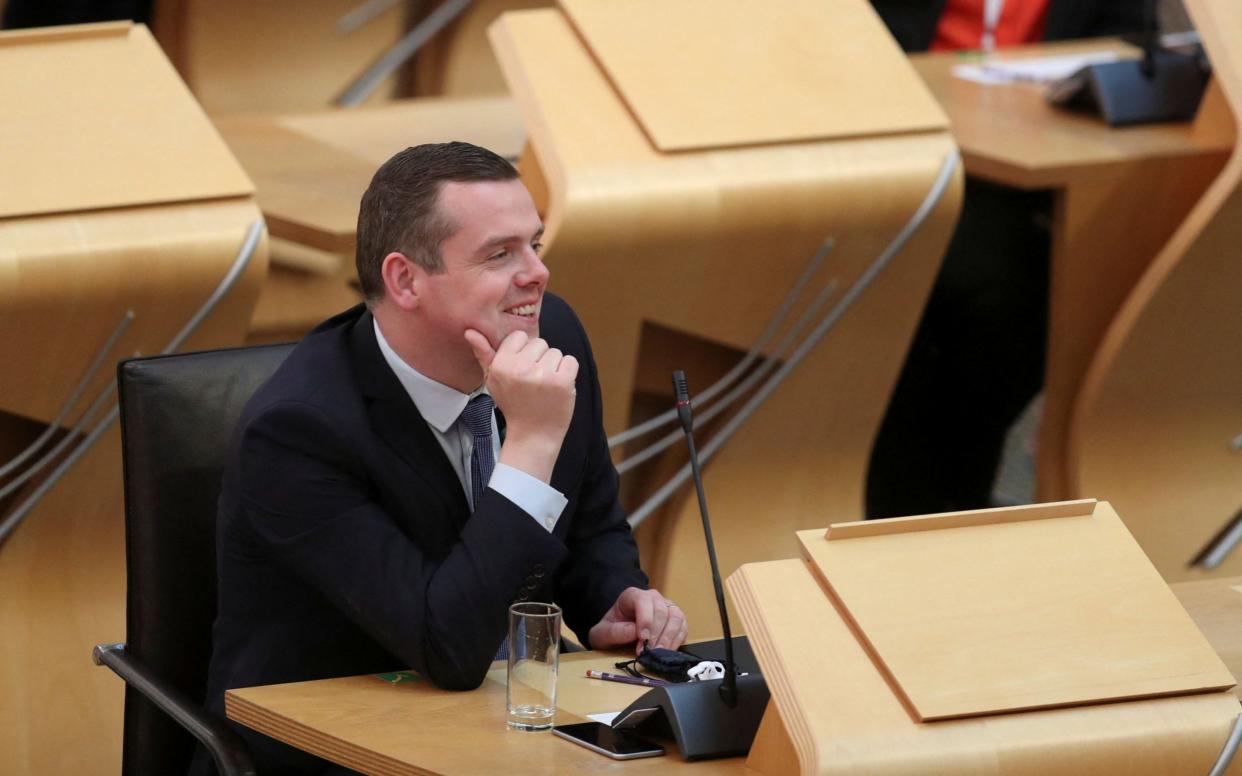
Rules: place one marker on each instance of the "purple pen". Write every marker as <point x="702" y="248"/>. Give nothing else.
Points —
<point x="623" y="679"/>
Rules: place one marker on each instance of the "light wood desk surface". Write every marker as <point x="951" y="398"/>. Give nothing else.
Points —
<point x="371" y="725"/>
<point x="1118" y="195"/>
<point x="310" y="169"/>
<point x="1009" y="134"/>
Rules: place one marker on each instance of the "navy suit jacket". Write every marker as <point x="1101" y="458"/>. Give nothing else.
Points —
<point x="346" y="546"/>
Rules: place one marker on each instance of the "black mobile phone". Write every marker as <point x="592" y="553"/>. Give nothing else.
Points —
<point x="614" y="743"/>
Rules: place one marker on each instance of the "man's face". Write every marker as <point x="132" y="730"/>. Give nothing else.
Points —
<point x="493" y="279"/>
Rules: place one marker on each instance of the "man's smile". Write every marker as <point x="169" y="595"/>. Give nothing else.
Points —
<point x="524" y="310"/>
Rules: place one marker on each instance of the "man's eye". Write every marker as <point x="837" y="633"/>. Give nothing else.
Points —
<point x="498" y="255"/>
<point x="537" y="247"/>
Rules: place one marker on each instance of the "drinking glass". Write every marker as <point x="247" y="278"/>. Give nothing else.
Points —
<point x="534" y="653"/>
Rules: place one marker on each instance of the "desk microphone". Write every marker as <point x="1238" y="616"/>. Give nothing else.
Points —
<point x="685" y="413"/>
<point x="716" y="717"/>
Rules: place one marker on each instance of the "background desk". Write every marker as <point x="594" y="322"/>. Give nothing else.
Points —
<point x="413" y="727"/>
<point x="1118" y="193"/>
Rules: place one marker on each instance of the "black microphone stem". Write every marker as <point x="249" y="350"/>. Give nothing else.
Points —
<point x="1151" y="38"/>
<point x="728" y="688"/>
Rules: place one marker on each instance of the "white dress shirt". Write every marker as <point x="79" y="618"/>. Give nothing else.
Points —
<point x="441" y="407"/>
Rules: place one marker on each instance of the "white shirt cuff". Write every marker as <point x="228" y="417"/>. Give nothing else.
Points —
<point x="538" y="499"/>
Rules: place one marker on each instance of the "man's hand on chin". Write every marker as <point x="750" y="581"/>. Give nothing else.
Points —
<point x="640" y="616"/>
<point x="533" y="384"/>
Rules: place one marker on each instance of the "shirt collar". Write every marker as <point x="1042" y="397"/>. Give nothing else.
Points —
<point x="439" y="404"/>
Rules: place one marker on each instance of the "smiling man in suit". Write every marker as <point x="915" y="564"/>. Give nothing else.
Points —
<point x="360" y="530"/>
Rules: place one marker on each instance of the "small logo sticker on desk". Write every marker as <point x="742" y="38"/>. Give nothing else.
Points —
<point x="399" y="677"/>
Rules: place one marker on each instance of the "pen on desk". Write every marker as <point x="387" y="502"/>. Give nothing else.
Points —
<point x="623" y="679"/>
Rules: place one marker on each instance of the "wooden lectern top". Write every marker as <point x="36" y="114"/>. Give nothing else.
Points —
<point x="719" y="73"/>
<point x="95" y="116"/>
<point x="839" y="716"/>
<point x="1002" y="610"/>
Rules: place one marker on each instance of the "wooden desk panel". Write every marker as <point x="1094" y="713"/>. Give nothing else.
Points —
<point x="794" y="70"/>
<point x="368" y="724"/>
<point x="1045" y="611"/>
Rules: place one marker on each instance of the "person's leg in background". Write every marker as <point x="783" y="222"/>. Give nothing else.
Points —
<point x="976" y="361"/>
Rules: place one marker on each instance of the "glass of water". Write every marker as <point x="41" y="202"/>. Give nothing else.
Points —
<point x="534" y="653"/>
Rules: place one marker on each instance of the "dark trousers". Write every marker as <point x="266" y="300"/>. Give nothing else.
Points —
<point x="976" y="361"/>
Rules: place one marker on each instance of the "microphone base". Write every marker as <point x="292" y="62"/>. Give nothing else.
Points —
<point x="1121" y="94"/>
<point x="697" y="718"/>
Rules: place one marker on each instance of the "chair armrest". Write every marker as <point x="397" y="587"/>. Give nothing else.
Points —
<point x="227" y="748"/>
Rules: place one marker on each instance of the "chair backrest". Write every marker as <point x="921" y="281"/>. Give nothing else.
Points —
<point x="177" y="416"/>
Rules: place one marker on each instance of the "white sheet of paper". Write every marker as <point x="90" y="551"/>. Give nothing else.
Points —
<point x="1043" y="70"/>
<point x="605" y="717"/>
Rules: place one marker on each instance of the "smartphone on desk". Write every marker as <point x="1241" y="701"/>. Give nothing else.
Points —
<point x="616" y="744"/>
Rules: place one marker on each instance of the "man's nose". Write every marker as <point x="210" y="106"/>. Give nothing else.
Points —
<point x="534" y="271"/>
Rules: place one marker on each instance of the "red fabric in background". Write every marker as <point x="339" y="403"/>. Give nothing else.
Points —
<point x="961" y="24"/>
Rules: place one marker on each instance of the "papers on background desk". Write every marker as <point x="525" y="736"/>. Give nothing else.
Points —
<point x="1042" y="70"/>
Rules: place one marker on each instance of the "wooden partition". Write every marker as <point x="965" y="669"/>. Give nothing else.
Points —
<point x="119" y="199"/>
<point x="458" y="61"/>
<point x="262" y="56"/>
<point x="1157" y="427"/>
<point x="691" y="158"/>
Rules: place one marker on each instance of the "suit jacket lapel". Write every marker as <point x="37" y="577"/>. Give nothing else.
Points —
<point x="397" y="421"/>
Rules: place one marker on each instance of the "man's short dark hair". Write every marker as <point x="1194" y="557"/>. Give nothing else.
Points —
<point x="398" y="211"/>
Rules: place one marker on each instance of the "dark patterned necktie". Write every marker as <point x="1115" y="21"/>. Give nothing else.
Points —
<point x="478" y="419"/>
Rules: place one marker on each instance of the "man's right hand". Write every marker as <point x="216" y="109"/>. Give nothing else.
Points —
<point x="533" y="385"/>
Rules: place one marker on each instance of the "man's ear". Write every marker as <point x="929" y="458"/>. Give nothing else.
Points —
<point x="403" y="280"/>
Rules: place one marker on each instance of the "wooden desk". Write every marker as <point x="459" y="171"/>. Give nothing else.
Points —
<point x="1216" y="607"/>
<point x="1119" y="194"/>
<point x="310" y="170"/>
<point x="373" y="726"/>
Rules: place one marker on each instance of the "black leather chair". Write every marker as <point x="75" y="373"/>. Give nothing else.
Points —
<point x="177" y="416"/>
